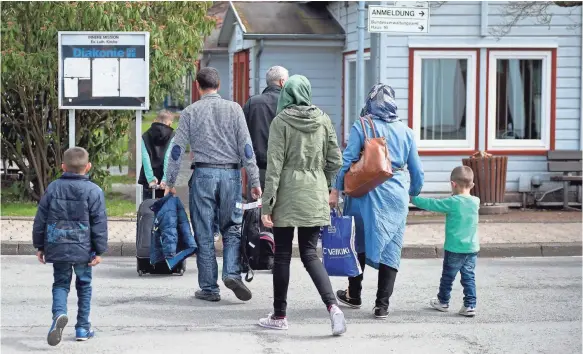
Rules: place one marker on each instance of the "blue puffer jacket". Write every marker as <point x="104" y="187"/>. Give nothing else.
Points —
<point x="172" y="238"/>
<point x="71" y="222"/>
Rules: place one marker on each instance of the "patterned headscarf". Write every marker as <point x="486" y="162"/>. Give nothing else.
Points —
<point x="381" y="104"/>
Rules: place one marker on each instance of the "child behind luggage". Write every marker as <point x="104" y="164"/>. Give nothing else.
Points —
<point x="156" y="143"/>
<point x="70" y="231"/>
<point x="461" y="239"/>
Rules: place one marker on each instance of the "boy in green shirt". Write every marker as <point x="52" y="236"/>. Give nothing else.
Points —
<point x="461" y="239"/>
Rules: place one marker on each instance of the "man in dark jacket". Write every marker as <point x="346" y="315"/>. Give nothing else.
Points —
<point x="70" y="231"/>
<point x="259" y="112"/>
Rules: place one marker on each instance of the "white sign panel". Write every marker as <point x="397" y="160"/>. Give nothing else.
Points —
<point x="411" y="20"/>
<point x="104" y="70"/>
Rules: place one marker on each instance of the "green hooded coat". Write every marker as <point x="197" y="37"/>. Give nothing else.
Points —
<point x="302" y="159"/>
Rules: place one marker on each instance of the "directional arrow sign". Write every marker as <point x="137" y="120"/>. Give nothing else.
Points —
<point x="412" y="20"/>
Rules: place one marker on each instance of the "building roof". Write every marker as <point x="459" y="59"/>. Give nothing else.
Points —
<point x="262" y="19"/>
<point x="286" y="18"/>
<point x="218" y="11"/>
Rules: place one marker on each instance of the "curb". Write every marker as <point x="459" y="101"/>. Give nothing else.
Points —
<point x="410" y="221"/>
<point x="492" y="250"/>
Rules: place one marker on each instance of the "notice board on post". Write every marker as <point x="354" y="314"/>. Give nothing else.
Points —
<point x="104" y="70"/>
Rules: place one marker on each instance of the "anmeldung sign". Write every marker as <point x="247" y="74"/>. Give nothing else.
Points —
<point x="412" y="20"/>
<point x="104" y="70"/>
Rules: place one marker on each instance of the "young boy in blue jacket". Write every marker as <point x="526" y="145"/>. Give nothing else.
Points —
<point x="70" y="231"/>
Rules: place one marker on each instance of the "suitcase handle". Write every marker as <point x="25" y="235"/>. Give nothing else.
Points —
<point x="154" y="188"/>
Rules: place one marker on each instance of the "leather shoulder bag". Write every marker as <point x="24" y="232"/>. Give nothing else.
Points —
<point x="374" y="166"/>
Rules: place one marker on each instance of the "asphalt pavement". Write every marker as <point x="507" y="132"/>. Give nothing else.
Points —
<point x="525" y="305"/>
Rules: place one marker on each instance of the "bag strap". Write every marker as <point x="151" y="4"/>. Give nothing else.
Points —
<point x="374" y="132"/>
<point x="370" y="122"/>
<point x="363" y="128"/>
<point x="248" y="278"/>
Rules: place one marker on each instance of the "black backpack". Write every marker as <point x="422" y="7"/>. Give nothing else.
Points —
<point x="257" y="244"/>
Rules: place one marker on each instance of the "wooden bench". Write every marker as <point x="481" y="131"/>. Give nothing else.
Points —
<point x="569" y="163"/>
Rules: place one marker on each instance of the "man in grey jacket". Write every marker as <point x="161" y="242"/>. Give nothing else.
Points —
<point x="218" y="136"/>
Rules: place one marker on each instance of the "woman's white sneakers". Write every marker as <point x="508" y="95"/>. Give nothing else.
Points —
<point x="337" y="320"/>
<point x="272" y="322"/>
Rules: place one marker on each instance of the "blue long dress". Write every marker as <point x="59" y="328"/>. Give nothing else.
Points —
<point x="380" y="216"/>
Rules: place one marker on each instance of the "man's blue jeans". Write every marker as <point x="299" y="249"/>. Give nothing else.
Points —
<point x="63" y="273"/>
<point x="464" y="263"/>
<point x="215" y="194"/>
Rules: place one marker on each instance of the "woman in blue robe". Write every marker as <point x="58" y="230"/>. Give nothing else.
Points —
<point x="380" y="215"/>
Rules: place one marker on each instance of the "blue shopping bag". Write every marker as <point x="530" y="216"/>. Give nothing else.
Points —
<point x="339" y="254"/>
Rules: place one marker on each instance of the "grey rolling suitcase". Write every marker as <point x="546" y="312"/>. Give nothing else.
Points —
<point x="145" y="223"/>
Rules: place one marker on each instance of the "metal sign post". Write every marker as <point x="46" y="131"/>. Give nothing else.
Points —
<point x="139" y="188"/>
<point x="72" y="130"/>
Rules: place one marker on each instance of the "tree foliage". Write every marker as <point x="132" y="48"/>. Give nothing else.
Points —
<point x="540" y="11"/>
<point x="34" y="131"/>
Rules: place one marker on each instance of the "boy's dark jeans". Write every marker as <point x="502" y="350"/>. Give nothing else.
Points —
<point x="464" y="263"/>
<point x="63" y="273"/>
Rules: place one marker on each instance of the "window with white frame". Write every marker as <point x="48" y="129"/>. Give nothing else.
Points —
<point x="444" y="99"/>
<point x="519" y="100"/>
<point x="351" y="108"/>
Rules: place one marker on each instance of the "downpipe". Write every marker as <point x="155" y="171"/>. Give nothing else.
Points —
<point x="258" y="66"/>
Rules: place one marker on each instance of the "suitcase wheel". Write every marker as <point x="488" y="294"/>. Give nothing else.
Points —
<point x="181" y="273"/>
<point x="140" y="273"/>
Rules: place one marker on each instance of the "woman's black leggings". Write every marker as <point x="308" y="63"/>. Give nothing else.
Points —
<point x="308" y="242"/>
<point x="386" y="283"/>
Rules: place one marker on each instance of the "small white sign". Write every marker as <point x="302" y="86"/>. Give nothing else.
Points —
<point x="412" y="20"/>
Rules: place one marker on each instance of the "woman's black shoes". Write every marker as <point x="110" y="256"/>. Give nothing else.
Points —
<point x="343" y="297"/>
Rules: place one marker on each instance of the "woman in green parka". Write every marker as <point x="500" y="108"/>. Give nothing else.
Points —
<point x="302" y="159"/>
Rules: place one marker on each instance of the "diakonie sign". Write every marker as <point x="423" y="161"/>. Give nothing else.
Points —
<point x="104" y="70"/>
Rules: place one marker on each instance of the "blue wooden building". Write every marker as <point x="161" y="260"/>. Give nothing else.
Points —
<point x="462" y="87"/>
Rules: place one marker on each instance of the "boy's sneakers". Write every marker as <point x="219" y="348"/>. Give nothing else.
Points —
<point x="273" y="322"/>
<point x="337" y="320"/>
<point x="436" y="304"/>
<point x="468" y="311"/>
<point x="56" y="330"/>
<point x="83" y="334"/>
<point x="206" y="296"/>
<point x="380" y="313"/>
<point x="241" y="291"/>
<point x="344" y="298"/>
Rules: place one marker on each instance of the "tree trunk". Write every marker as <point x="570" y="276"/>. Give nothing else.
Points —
<point x="132" y="150"/>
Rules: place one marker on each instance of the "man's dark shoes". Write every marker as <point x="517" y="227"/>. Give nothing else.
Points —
<point x="344" y="298"/>
<point x="204" y="295"/>
<point x="381" y="313"/>
<point x="241" y="291"/>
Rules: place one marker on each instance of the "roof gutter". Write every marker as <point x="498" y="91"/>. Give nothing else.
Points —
<point x="294" y="36"/>
<point x="257" y="65"/>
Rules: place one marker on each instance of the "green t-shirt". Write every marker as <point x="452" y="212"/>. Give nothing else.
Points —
<point x="461" y="220"/>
